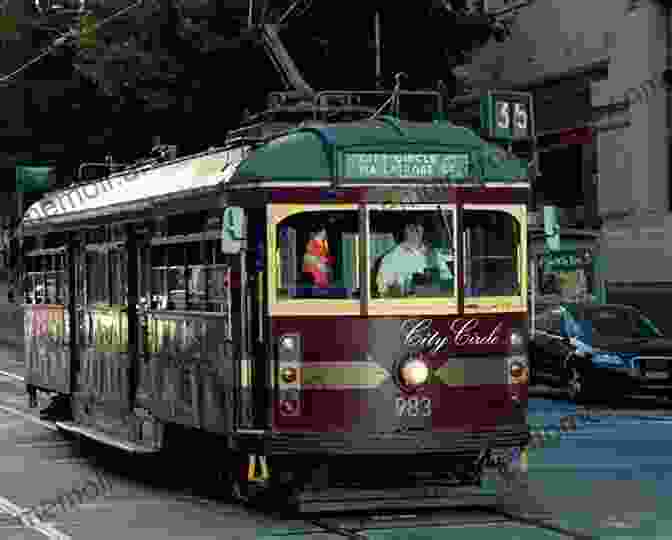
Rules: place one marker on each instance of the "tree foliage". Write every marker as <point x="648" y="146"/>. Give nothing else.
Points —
<point x="195" y="63"/>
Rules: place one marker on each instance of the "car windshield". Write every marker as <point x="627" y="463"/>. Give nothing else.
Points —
<point x="615" y="322"/>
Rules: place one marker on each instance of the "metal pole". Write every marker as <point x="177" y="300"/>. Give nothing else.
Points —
<point x="249" y="15"/>
<point x="379" y="75"/>
<point x="533" y="296"/>
<point x="18" y="269"/>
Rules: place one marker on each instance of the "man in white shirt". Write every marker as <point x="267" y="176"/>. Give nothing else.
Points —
<point x="398" y="266"/>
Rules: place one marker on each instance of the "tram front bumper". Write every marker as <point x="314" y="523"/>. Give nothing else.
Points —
<point x="456" y="443"/>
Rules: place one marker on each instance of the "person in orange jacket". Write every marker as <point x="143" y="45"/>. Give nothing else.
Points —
<point x="317" y="262"/>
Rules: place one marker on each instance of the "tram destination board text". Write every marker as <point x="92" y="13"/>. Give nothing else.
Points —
<point x="370" y="165"/>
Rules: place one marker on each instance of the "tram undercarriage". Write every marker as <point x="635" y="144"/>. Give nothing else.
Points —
<point x="334" y="484"/>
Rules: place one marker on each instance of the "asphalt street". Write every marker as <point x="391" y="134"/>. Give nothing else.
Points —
<point x="608" y="476"/>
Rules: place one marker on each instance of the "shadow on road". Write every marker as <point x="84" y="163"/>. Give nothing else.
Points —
<point x="625" y="404"/>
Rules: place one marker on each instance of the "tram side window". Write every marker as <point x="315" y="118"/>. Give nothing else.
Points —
<point x="412" y="253"/>
<point x="187" y="276"/>
<point x="318" y="255"/>
<point x="106" y="267"/>
<point x="46" y="279"/>
<point x="33" y="283"/>
<point x="96" y="276"/>
<point x="118" y="276"/>
<point x="491" y="243"/>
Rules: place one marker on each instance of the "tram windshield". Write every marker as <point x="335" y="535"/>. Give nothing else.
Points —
<point x="318" y="255"/>
<point x="491" y="253"/>
<point x="412" y="253"/>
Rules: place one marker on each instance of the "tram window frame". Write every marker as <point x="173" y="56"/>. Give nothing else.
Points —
<point x="189" y="256"/>
<point x="518" y="257"/>
<point x="378" y="300"/>
<point x="41" y="266"/>
<point x="344" y="300"/>
<point x="106" y="266"/>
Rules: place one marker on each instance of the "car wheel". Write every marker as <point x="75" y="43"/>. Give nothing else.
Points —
<point x="532" y="377"/>
<point x="577" y="387"/>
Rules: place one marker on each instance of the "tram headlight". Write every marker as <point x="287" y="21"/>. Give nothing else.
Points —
<point x="414" y="371"/>
<point x="516" y="340"/>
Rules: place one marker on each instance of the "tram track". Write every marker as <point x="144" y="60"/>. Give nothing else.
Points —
<point x="356" y="528"/>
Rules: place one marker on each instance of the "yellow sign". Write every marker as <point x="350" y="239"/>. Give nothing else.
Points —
<point x="111" y="329"/>
<point x="160" y="333"/>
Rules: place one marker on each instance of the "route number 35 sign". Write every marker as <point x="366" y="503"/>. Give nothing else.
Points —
<point x="507" y="116"/>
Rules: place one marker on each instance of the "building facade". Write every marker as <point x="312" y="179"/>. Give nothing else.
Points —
<point x="604" y="67"/>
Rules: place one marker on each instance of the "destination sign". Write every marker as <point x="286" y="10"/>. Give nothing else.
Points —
<point x="370" y="165"/>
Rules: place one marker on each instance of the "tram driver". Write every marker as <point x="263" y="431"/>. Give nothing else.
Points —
<point x="411" y="263"/>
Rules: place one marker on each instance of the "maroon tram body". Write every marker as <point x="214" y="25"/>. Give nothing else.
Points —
<point x="388" y="388"/>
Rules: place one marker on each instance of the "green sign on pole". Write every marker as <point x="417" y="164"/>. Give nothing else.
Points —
<point x="34" y="178"/>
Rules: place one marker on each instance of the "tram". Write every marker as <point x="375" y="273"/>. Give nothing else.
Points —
<point x="340" y="307"/>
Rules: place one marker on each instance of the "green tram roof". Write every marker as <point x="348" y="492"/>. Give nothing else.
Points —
<point x="384" y="151"/>
<point x="326" y="152"/>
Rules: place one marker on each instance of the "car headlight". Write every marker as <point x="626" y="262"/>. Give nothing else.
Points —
<point x="607" y="359"/>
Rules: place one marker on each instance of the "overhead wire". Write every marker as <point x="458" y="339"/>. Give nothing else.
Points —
<point x="62" y="39"/>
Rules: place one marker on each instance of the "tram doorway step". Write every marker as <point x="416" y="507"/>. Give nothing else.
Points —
<point x="104" y="438"/>
<point x="339" y="500"/>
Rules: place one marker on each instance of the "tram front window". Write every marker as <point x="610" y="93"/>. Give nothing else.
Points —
<point x="318" y="254"/>
<point x="412" y="253"/>
<point x="491" y="244"/>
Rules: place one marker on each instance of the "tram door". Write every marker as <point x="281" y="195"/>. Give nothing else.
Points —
<point x="103" y="359"/>
<point x="243" y="243"/>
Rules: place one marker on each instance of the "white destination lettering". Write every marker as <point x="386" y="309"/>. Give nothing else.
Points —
<point x="420" y="334"/>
